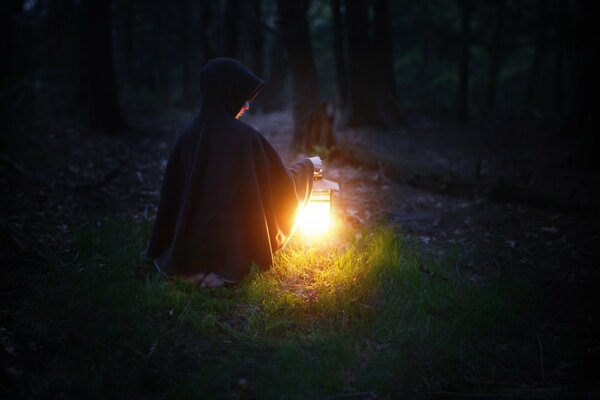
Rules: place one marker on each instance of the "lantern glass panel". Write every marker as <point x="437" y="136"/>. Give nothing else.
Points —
<point x="316" y="217"/>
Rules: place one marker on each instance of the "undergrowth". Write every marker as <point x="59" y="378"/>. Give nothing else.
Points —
<point x="358" y="314"/>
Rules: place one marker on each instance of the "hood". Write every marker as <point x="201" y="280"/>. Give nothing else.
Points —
<point x="225" y="85"/>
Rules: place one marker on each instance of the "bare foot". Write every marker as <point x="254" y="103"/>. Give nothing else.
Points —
<point x="212" y="280"/>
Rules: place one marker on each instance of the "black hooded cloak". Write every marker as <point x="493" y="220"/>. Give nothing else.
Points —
<point x="227" y="199"/>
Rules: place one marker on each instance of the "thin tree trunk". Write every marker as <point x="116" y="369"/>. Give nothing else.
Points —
<point x="361" y="109"/>
<point x="338" y="51"/>
<point x="255" y="33"/>
<point x="103" y="110"/>
<point x="207" y="49"/>
<point x="8" y="48"/>
<point x="423" y="74"/>
<point x="8" y="12"/>
<point x="186" y="62"/>
<point x="497" y="54"/>
<point x="561" y="11"/>
<point x="257" y="38"/>
<point x="536" y="62"/>
<point x="311" y="125"/>
<point x="294" y="24"/>
<point x="390" y="110"/>
<point x="129" y="43"/>
<point x="273" y="94"/>
<point x="559" y="76"/>
<point x="162" y="70"/>
<point x="588" y="77"/>
<point x="56" y="18"/>
<point x="231" y="29"/>
<point x="463" y="70"/>
<point x="384" y="47"/>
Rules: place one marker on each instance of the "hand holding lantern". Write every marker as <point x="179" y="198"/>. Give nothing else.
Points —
<point x="317" y="165"/>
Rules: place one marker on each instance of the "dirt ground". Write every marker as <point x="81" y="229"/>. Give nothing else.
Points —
<point x="68" y="176"/>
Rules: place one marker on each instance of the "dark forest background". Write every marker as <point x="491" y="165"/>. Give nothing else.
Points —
<point x="380" y="62"/>
<point x="464" y="137"/>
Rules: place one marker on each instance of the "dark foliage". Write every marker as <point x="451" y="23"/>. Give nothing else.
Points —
<point x="384" y="62"/>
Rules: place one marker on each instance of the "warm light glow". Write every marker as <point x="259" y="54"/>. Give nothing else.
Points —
<point x="316" y="216"/>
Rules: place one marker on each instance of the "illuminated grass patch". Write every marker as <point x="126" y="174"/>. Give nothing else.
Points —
<point x="359" y="313"/>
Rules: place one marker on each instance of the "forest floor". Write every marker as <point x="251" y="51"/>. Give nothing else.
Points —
<point x="549" y="244"/>
<point x="62" y="182"/>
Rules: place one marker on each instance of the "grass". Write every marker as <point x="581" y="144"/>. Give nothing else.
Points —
<point x="359" y="314"/>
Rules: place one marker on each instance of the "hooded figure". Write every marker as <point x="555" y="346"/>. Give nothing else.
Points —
<point x="227" y="199"/>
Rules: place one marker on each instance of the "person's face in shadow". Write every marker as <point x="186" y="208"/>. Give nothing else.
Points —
<point x="244" y="108"/>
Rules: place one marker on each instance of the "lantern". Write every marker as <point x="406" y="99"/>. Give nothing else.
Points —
<point x="316" y="216"/>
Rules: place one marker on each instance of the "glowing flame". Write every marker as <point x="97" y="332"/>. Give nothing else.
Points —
<point x="316" y="216"/>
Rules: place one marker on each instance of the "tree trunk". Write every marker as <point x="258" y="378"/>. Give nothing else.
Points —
<point x="463" y="70"/>
<point x="496" y="57"/>
<point x="186" y="62"/>
<point x="423" y="75"/>
<point x="559" y="75"/>
<point x="338" y="51"/>
<point x="253" y="15"/>
<point x="560" y="15"/>
<point x="8" y="12"/>
<point x="103" y="110"/>
<point x="536" y="62"/>
<point x="9" y="66"/>
<point x="361" y="109"/>
<point x="390" y="111"/>
<point x="256" y="33"/>
<point x="56" y="39"/>
<point x="310" y="124"/>
<point x="162" y="66"/>
<point x="207" y="49"/>
<point x="588" y="87"/>
<point x="272" y="97"/>
<point x="231" y="29"/>
<point x="129" y="43"/>
<point x="384" y="46"/>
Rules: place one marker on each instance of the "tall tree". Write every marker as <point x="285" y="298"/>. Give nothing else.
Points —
<point x="207" y="49"/>
<point x="8" y="14"/>
<point x="56" y="36"/>
<point x="560" y="16"/>
<point x="186" y="50"/>
<point x="311" y="125"/>
<point x="231" y="28"/>
<point x="389" y="109"/>
<point x="100" y="87"/>
<point x="253" y="34"/>
<point x="162" y="61"/>
<point x="371" y="96"/>
<point x="272" y="98"/>
<point x="8" y="48"/>
<point x="588" y="85"/>
<point x="129" y="30"/>
<point x="539" y="50"/>
<point x="253" y="43"/>
<point x="360" y="109"/>
<point x="463" y="70"/>
<point x="338" y="51"/>
<point x="384" y="45"/>
<point x="497" y="49"/>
